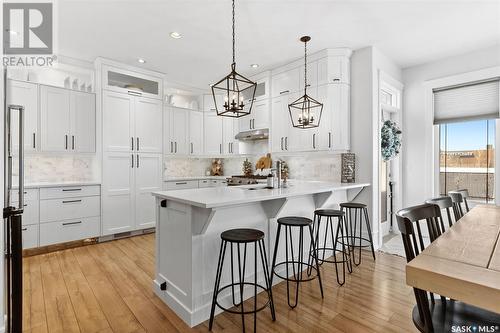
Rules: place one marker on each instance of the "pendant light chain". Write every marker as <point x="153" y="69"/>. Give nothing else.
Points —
<point x="234" y="37"/>
<point x="305" y="68"/>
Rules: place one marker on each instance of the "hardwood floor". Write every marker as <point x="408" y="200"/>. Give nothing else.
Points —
<point x="107" y="288"/>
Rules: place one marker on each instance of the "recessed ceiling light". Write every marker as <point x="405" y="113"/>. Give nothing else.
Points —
<point x="141" y="61"/>
<point x="175" y="35"/>
<point x="254" y="65"/>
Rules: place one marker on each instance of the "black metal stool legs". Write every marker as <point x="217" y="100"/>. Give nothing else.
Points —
<point x="369" y="228"/>
<point x="296" y="275"/>
<point x="355" y="224"/>
<point x="259" y="246"/>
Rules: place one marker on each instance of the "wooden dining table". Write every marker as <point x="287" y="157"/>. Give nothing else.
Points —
<point x="464" y="262"/>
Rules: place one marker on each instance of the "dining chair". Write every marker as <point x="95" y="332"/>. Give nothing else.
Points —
<point x="444" y="203"/>
<point x="457" y="199"/>
<point x="438" y="315"/>
<point x="465" y="196"/>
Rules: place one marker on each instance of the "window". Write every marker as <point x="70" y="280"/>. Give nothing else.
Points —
<point x="467" y="158"/>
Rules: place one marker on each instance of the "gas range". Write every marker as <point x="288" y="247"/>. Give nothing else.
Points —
<point x="243" y="180"/>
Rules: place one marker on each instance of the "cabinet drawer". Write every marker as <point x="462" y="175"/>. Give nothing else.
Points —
<point x="31" y="213"/>
<point x="69" y="208"/>
<point x="69" y="191"/>
<point x="181" y="185"/>
<point x="69" y="230"/>
<point x="29" y="194"/>
<point x="30" y="236"/>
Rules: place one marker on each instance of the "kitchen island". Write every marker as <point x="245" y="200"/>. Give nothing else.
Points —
<point x="189" y="224"/>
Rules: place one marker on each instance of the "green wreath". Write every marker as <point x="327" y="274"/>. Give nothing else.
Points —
<point x="390" y="135"/>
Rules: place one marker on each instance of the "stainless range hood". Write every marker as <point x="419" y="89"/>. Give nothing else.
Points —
<point x="251" y="135"/>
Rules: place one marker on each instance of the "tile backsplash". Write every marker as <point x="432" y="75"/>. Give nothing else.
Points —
<point x="59" y="168"/>
<point x="315" y="166"/>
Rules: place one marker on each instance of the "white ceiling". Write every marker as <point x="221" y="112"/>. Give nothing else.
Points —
<point x="410" y="32"/>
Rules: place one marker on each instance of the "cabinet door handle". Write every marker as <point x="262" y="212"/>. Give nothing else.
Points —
<point x="192" y="149"/>
<point x="171" y="147"/>
<point x="134" y="93"/>
<point x="132" y="140"/>
<point x="181" y="183"/>
<point x="24" y="229"/>
<point x="72" y="223"/>
<point x="132" y="161"/>
<point x="71" y="201"/>
<point x="220" y="147"/>
<point x="314" y="140"/>
<point x="137" y="143"/>
<point x="329" y="139"/>
<point x="66" y="142"/>
<point x="137" y="161"/>
<point x="284" y="92"/>
<point x="281" y="143"/>
<point x="286" y="143"/>
<point x="73" y="142"/>
<point x="34" y="140"/>
<point x="250" y="123"/>
<point x="175" y="143"/>
<point x="336" y="80"/>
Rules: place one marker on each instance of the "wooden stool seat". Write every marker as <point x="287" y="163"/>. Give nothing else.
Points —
<point x="329" y="212"/>
<point x="295" y="221"/>
<point x="242" y="235"/>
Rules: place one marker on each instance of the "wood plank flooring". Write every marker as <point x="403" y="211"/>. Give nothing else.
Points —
<point x="107" y="288"/>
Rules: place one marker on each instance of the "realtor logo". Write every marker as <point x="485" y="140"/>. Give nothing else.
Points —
<point x="27" y="28"/>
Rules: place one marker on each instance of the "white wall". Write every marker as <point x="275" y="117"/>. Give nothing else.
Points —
<point x="417" y="125"/>
<point x="366" y="64"/>
<point x="2" y="291"/>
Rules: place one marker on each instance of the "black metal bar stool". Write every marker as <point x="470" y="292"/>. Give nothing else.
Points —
<point x="241" y="238"/>
<point x="298" y="265"/>
<point x="341" y="231"/>
<point x="360" y="213"/>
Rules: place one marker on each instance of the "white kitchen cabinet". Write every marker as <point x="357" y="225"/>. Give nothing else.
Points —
<point x="148" y="116"/>
<point x="118" y="193"/>
<point x="55" y="119"/>
<point x="147" y="179"/>
<point x="68" y="208"/>
<point x="30" y="236"/>
<point x="312" y="75"/>
<point x="209" y="104"/>
<point x="333" y="69"/>
<point x="182" y="184"/>
<point x="286" y="82"/>
<point x="212" y="134"/>
<point x="67" y="121"/>
<point x="258" y="117"/>
<point x="178" y="139"/>
<point x="195" y="133"/>
<point x="83" y="122"/>
<point x="69" y="230"/>
<point x="26" y="95"/>
<point x="130" y="81"/>
<point x="118" y="117"/>
<point x="131" y="123"/>
<point x="340" y="113"/>
<point x="280" y="123"/>
<point x="229" y="131"/>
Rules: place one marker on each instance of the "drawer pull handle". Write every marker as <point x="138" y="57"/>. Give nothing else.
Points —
<point x="71" y="201"/>
<point x="72" y="223"/>
<point x="284" y="92"/>
<point x="71" y="189"/>
<point x="181" y="183"/>
<point x="24" y="229"/>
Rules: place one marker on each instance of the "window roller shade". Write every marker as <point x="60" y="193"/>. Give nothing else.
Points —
<point x="478" y="100"/>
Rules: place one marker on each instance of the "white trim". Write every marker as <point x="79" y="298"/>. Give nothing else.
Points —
<point x="478" y="75"/>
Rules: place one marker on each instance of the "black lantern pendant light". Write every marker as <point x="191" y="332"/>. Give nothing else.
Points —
<point x="305" y="112"/>
<point x="235" y="88"/>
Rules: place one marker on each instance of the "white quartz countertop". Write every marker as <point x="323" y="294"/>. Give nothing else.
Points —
<point x="174" y="179"/>
<point x="57" y="184"/>
<point x="233" y="195"/>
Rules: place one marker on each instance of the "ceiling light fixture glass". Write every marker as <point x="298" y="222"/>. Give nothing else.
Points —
<point x="305" y="112"/>
<point x="234" y="88"/>
<point x="175" y="35"/>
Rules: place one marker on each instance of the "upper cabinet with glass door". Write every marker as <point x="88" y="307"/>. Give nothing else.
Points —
<point x="132" y="83"/>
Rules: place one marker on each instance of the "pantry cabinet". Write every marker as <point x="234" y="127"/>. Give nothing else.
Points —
<point x="131" y="123"/>
<point x="26" y="95"/>
<point x="67" y="120"/>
